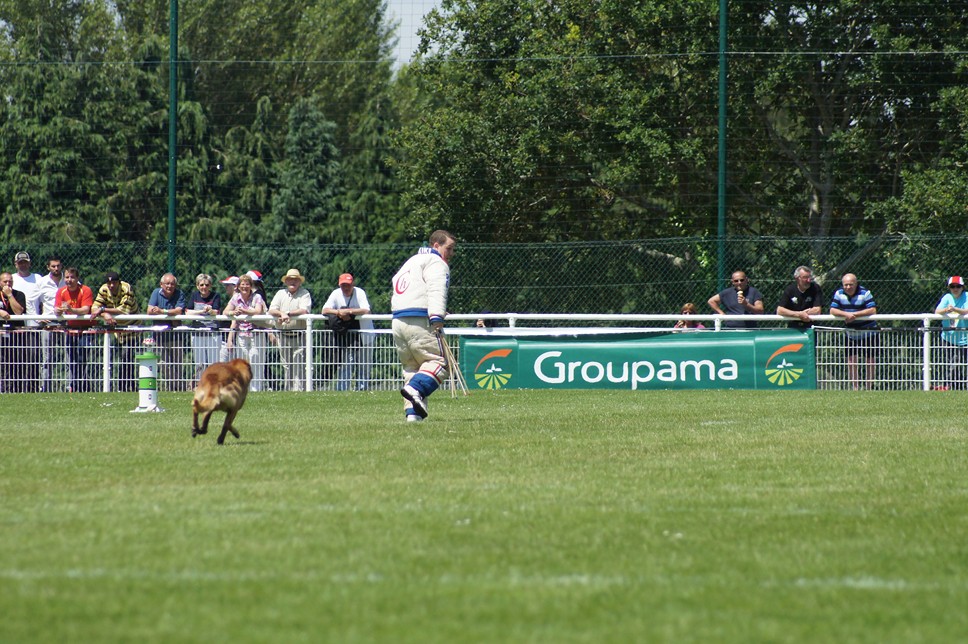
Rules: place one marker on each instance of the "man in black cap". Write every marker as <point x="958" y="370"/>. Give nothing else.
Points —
<point x="117" y="298"/>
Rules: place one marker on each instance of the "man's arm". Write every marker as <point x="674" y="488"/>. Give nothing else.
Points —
<point x="714" y="303"/>
<point x="756" y="308"/>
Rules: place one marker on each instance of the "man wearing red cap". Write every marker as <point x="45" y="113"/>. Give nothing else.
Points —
<point x="419" y="304"/>
<point x="954" y="305"/>
<point x="344" y="307"/>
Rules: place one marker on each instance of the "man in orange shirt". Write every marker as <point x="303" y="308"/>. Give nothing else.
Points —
<point x="76" y="299"/>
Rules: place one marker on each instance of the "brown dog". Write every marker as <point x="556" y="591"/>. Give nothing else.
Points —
<point x="222" y="387"/>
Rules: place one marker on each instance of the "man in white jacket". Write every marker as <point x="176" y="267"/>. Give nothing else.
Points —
<point x="419" y="304"/>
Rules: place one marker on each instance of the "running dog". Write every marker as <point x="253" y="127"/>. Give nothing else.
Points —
<point x="222" y="387"/>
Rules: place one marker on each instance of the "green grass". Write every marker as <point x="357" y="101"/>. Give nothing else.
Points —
<point x="509" y="516"/>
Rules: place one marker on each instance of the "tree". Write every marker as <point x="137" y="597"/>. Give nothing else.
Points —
<point x="583" y="120"/>
<point x="58" y="148"/>
<point x="844" y="110"/>
<point x="371" y="200"/>
<point x="306" y="204"/>
<point x="562" y="121"/>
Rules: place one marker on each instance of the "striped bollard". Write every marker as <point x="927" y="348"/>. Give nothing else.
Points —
<point x="147" y="383"/>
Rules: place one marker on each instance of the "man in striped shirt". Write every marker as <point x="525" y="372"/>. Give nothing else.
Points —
<point x="855" y="304"/>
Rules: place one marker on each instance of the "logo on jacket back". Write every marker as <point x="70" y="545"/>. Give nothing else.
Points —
<point x="493" y="376"/>
<point x="402" y="283"/>
<point x="785" y="372"/>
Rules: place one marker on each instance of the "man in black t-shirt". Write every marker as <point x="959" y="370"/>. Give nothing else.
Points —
<point x="801" y="299"/>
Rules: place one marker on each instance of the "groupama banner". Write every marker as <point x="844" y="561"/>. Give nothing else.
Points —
<point x="777" y="359"/>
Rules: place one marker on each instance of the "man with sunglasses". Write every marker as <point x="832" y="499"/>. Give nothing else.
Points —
<point x="740" y="298"/>
<point x="954" y="337"/>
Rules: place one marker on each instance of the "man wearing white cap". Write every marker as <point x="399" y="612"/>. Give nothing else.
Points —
<point x="29" y="284"/>
<point x="344" y="307"/>
<point x="229" y="283"/>
<point x="289" y="303"/>
<point x="954" y="305"/>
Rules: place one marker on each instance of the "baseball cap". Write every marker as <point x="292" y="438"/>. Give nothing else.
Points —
<point x="22" y="256"/>
<point x="345" y="278"/>
<point x="255" y="275"/>
<point x="233" y="280"/>
<point x="112" y="276"/>
<point x="955" y="280"/>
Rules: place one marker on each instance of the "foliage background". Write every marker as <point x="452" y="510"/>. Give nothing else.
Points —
<point x="573" y="146"/>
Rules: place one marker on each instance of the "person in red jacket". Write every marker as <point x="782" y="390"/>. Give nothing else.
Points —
<point x="76" y="299"/>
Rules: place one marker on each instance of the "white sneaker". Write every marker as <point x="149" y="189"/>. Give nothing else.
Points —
<point x="419" y="405"/>
<point x="413" y="419"/>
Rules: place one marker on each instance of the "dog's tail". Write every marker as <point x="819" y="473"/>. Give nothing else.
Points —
<point x="204" y="401"/>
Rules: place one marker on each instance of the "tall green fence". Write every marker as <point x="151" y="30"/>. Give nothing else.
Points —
<point x="906" y="274"/>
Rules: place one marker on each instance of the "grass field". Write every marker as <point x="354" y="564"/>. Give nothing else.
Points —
<point x="512" y="516"/>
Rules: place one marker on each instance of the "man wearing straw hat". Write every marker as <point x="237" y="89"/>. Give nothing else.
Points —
<point x="289" y="302"/>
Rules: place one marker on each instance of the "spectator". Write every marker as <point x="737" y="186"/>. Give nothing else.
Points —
<point x="29" y="284"/>
<point x="244" y="303"/>
<point x="169" y="300"/>
<point x="954" y="337"/>
<point x="801" y="299"/>
<point x="229" y="283"/>
<point x="262" y="336"/>
<point x="739" y="299"/>
<point x="688" y="309"/>
<point x="344" y="306"/>
<point x="419" y="304"/>
<point x="257" y="285"/>
<point x="76" y="299"/>
<point x="293" y="300"/>
<point x="12" y="302"/>
<point x="206" y="342"/>
<point x="115" y="297"/>
<point x="52" y="344"/>
<point x="855" y="304"/>
<point x="225" y="354"/>
<point x="484" y="322"/>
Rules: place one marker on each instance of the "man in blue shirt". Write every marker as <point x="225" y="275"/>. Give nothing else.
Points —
<point x="169" y="300"/>
<point x="855" y="304"/>
<point x="953" y="305"/>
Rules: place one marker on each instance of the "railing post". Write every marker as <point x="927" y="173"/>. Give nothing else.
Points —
<point x="926" y="354"/>
<point x="308" y="367"/>
<point x="106" y="363"/>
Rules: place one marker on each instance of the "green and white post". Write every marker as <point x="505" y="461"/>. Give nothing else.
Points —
<point x="147" y="383"/>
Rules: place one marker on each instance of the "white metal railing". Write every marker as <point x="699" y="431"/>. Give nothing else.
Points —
<point x="909" y="355"/>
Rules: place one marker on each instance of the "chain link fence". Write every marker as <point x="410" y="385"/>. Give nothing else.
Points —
<point x="906" y="274"/>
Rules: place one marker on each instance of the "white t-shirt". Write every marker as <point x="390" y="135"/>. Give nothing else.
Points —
<point x="30" y="286"/>
<point x="357" y="300"/>
<point x="48" y="290"/>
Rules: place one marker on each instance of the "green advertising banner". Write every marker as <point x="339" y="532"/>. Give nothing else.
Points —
<point x="764" y="359"/>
